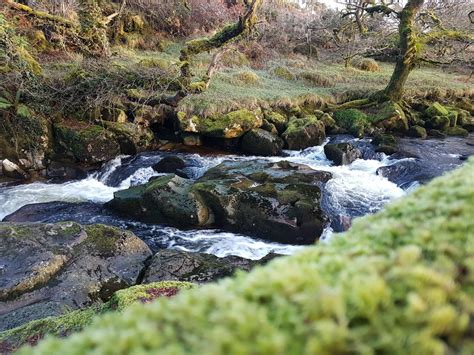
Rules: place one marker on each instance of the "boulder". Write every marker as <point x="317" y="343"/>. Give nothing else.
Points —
<point x="231" y="125"/>
<point x="13" y="171"/>
<point x="342" y="153"/>
<point x="304" y="132"/>
<point x="48" y="269"/>
<point x="260" y="142"/>
<point x="191" y="139"/>
<point x="176" y="265"/>
<point x="436" y="109"/>
<point x="438" y="122"/>
<point x="65" y="171"/>
<point x="131" y="138"/>
<point x="417" y="132"/>
<point x="385" y="143"/>
<point x="277" y="119"/>
<point x="171" y="165"/>
<point x="352" y="121"/>
<point x="275" y="201"/>
<point x="456" y="131"/>
<point x="87" y="144"/>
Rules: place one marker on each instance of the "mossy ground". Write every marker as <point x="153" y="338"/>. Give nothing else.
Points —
<point x="398" y="282"/>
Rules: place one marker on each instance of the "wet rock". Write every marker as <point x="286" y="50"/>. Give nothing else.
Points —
<point x="171" y="165"/>
<point x="131" y="138"/>
<point x="260" y="142"/>
<point x="436" y="133"/>
<point x="87" y="144"/>
<point x="417" y="132"/>
<point x="176" y="265"/>
<point x="342" y="153"/>
<point x="275" y="201"/>
<point x="304" y="132"/>
<point x="65" y="171"/>
<point x="50" y="268"/>
<point x="385" y="143"/>
<point x="13" y="171"/>
<point x="456" y="131"/>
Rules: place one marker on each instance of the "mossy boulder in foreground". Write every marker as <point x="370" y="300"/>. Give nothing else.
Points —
<point x="50" y="268"/>
<point x="399" y="282"/>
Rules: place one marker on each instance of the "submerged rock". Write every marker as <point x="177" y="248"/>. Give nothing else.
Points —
<point x="274" y="201"/>
<point x="342" y="153"/>
<point x="171" y="165"/>
<point x="261" y="142"/>
<point x="47" y="269"/>
<point x="176" y="265"/>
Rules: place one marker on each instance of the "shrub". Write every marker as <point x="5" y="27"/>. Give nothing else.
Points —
<point x="247" y="77"/>
<point x="283" y="73"/>
<point x="398" y="282"/>
<point x="317" y="79"/>
<point x="366" y="64"/>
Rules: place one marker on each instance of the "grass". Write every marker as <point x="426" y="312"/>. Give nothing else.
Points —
<point x="311" y="81"/>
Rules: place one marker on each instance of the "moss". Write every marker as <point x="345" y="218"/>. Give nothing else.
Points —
<point x="436" y="109"/>
<point x="398" y="282"/>
<point x="75" y="321"/>
<point x="456" y="131"/>
<point x="354" y="121"/>
<point x="283" y="73"/>
<point x="231" y="125"/>
<point x="144" y="293"/>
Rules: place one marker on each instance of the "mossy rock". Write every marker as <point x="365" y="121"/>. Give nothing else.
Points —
<point x="75" y="321"/>
<point x="456" y="131"/>
<point x="436" y="109"/>
<point x="407" y="266"/>
<point x="260" y="142"/>
<point x="131" y="138"/>
<point x="417" y="132"/>
<point x="304" y="132"/>
<point x="231" y="125"/>
<point x="438" y="122"/>
<point x="279" y="120"/>
<point x="391" y="117"/>
<point x="465" y="120"/>
<point x="64" y="266"/>
<point x="353" y="121"/>
<point x="90" y="144"/>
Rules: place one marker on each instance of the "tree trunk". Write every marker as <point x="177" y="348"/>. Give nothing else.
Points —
<point x="408" y="51"/>
<point x="222" y="37"/>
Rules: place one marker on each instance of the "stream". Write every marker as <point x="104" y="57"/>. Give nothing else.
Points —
<point x="360" y="188"/>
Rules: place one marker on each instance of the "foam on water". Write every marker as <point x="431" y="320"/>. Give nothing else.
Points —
<point x="354" y="190"/>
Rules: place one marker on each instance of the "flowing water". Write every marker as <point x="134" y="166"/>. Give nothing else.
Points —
<point x="355" y="190"/>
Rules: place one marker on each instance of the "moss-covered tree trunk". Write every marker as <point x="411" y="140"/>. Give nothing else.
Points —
<point x="224" y="36"/>
<point x="409" y="51"/>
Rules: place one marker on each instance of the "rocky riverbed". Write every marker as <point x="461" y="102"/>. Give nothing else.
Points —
<point x="192" y="217"/>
